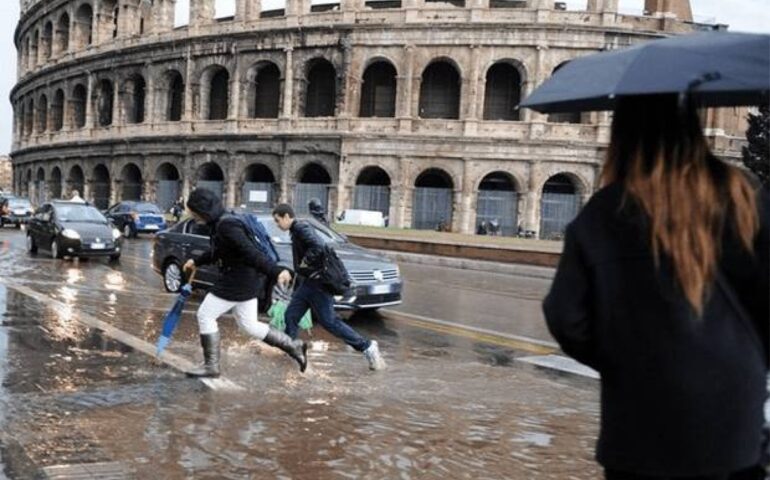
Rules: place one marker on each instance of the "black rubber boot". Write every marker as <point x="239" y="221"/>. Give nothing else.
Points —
<point x="210" y="367"/>
<point x="297" y="349"/>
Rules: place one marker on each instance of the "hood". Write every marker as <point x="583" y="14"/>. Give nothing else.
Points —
<point x="206" y="203"/>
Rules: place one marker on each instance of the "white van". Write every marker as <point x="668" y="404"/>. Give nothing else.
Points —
<point x="369" y="218"/>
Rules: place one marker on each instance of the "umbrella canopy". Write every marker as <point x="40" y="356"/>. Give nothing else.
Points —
<point x="716" y="68"/>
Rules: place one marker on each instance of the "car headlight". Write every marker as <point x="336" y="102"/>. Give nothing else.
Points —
<point x="71" y="234"/>
<point x="115" y="234"/>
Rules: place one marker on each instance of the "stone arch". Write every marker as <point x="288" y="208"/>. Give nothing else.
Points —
<point x="131" y="182"/>
<point x="379" y="90"/>
<point x="77" y="106"/>
<point x="76" y="180"/>
<point x="215" y="93"/>
<point x="173" y="108"/>
<point x="27" y="186"/>
<point x="41" y="190"/>
<point x="264" y="90"/>
<point x="313" y="181"/>
<point x="61" y="43"/>
<point x="440" y="90"/>
<point x="105" y="102"/>
<point x="372" y="190"/>
<point x="25" y="53"/>
<point x="57" y="110"/>
<point x="566" y="117"/>
<point x="101" y="186"/>
<point x="432" y="203"/>
<point x="109" y="13"/>
<point x="168" y="185"/>
<point x="559" y="204"/>
<point x="46" y="41"/>
<point x="134" y="98"/>
<point x="321" y="88"/>
<point x="42" y="114"/>
<point x="84" y="26"/>
<point x="211" y="176"/>
<point x="498" y="201"/>
<point x="55" y="183"/>
<point x="34" y="49"/>
<point x="503" y="92"/>
<point x="258" y="189"/>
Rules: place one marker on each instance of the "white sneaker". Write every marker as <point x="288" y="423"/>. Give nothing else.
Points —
<point x="374" y="357"/>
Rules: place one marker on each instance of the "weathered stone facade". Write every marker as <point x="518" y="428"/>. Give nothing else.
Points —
<point x="405" y="106"/>
<point x="6" y="174"/>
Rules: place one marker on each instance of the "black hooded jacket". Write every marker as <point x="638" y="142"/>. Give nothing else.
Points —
<point x="244" y="270"/>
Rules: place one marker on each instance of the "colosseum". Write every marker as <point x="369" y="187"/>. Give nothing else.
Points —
<point x="409" y="107"/>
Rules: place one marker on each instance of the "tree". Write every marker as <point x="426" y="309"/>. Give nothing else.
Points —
<point x="756" y="156"/>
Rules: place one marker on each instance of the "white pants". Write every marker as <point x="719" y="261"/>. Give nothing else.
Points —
<point x="245" y="313"/>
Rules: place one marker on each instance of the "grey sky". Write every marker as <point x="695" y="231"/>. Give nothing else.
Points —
<point x="741" y="15"/>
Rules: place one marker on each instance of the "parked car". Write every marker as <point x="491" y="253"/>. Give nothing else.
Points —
<point x="20" y="211"/>
<point x="371" y="218"/>
<point x="133" y="218"/>
<point x="72" y="229"/>
<point x="376" y="279"/>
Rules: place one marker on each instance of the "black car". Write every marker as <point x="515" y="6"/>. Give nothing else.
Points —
<point x="20" y="211"/>
<point x="72" y="229"/>
<point x="132" y="218"/>
<point x="376" y="279"/>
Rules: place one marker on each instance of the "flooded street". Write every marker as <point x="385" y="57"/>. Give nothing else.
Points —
<point x="450" y="406"/>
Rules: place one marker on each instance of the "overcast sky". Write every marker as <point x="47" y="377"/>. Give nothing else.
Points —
<point x="741" y="15"/>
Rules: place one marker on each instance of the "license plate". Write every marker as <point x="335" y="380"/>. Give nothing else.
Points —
<point x="151" y="227"/>
<point x="380" y="289"/>
<point x="97" y="246"/>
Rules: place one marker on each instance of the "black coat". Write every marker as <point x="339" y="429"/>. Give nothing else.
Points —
<point x="680" y="395"/>
<point x="307" y="248"/>
<point x="244" y="269"/>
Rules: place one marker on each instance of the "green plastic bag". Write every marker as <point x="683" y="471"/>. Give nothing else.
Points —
<point x="277" y="315"/>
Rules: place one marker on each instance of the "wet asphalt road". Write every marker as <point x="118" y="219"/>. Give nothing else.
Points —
<point x="449" y="406"/>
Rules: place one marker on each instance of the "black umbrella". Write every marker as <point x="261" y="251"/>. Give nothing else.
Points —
<point x="716" y="68"/>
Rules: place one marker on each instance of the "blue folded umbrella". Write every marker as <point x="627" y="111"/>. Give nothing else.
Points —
<point x="172" y="317"/>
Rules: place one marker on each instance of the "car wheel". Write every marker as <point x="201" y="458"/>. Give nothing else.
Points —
<point x="31" y="247"/>
<point x="55" y="253"/>
<point x="172" y="277"/>
<point x="128" y="232"/>
<point x="115" y="257"/>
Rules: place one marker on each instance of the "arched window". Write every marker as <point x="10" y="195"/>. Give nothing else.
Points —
<point x="54" y="184"/>
<point x="503" y="92"/>
<point x="57" y="111"/>
<point x="29" y="119"/>
<point x="321" y="98"/>
<point x="134" y="99"/>
<point x="210" y="176"/>
<point x="217" y="93"/>
<point x="372" y="190"/>
<point x="84" y="25"/>
<point x="559" y="205"/>
<point x="47" y="40"/>
<point x="498" y="202"/>
<point x="314" y="182"/>
<point x="105" y="103"/>
<point x="175" y="96"/>
<point x="258" y="190"/>
<point x="378" y="92"/>
<point x="34" y="49"/>
<point x="42" y="114"/>
<point x="131" y="180"/>
<point x="78" y="106"/>
<point x="432" y="201"/>
<point x="167" y="191"/>
<point x="76" y="180"/>
<point x="61" y="42"/>
<point x="266" y="92"/>
<point x="440" y="92"/>
<point x="101" y="187"/>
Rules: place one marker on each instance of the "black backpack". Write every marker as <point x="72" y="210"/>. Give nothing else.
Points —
<point x="332" y="273"/>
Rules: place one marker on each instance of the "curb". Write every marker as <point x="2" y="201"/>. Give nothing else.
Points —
<point x="519" y="270"/>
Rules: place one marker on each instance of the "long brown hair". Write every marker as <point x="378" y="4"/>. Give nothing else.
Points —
<point x="658" y="152"/>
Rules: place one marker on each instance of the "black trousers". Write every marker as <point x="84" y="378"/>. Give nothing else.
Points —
<point x="755" y="473"/>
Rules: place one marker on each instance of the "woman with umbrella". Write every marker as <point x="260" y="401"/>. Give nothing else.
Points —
<point x="663" y="288"/>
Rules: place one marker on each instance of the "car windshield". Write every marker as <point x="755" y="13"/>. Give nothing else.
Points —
<point x="327" y="235"/>
<point x="146" y="208"/>
<point x="79" y="213"/>
<point x="18" y="203"/>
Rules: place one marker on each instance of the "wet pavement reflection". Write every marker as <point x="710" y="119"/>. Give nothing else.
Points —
<point x="448" y="407"/>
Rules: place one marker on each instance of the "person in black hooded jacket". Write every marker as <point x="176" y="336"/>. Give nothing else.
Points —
<point x="243" y="273"/>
